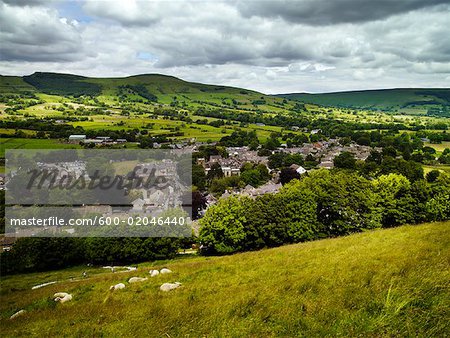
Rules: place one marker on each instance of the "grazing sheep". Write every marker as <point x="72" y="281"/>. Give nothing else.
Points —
<point x="62" y="297"/>
<point x="169" y="286"/>
<point x="131" y="268"/>
<point x="153" y="273"/>
<point x="164" y="271"/>
<point x="117" y="287"/>
<point x="136" y="279"/>
<point x="17" y="314"/>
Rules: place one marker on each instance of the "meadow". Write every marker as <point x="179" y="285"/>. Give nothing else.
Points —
<point x="392" y="282"/>
<point x="28" y="143"/>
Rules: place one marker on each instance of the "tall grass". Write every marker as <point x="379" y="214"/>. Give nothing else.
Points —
<point x="391" y="282"/>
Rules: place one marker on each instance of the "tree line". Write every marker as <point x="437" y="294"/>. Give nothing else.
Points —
<point x="324" y="203"/>
<point x="51" y="253"/>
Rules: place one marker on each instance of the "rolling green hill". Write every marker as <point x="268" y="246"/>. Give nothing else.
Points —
<point x="389" y="99"/>
<point x="388" y="283"/>
<point x="161" y="87"/>
<point x="14" y="85"/>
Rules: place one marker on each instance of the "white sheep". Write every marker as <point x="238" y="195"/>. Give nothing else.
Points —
<point x="136" y="279"/>
<point x="164" y="271"/>
<point x="117" y="287"/>
<point x="153" y="273"/>
<point x="62" y="297"/>
<point x="18" y="313"/>
<point x="169" y="286"/>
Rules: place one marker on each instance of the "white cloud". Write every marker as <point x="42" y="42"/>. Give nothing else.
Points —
<point x="219" y="42"/>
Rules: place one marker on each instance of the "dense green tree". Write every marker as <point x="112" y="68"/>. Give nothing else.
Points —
<point x="345" y="160"/>
<point x="198" y="203"/>
<point x="345" y="201"/>
<point x="394" y="200"/>
<point x="198" y="176"/>
<point x="287" y="175"/>
<point x="413" y="171"/>
<point x="253" y="174"/>
<point x="432" y="176"/>
<point x="222" y="228"/>
<point x="214" y="172"/>
<point x="219" y="185"/>
<point x="375" y="157"/>
<point x="271" y="143"/>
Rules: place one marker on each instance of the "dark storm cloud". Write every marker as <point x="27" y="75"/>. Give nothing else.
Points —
<point x="20" y="3"/>
<point x="326" y="12"/>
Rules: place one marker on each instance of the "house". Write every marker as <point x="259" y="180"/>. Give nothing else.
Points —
<point x="326" y="164"/>
<point x="138" y="204"/>
<point x="121" y="140"/>
<point x="268" y="188"/>
<point x="210" y="199"/>
<point x="214" y="158"/>
<point x="228" y="171"/>
<point x="300" y="170"/>
<point x="76" y="138"/>
<point x="103" y="138"/>
<point x="92" y="140"/>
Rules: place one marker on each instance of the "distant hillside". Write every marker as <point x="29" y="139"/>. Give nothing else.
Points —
<point x="171" y="90"/>
<point x="146" y="86"/>
<point x="62" y="84"/>
<point x="14" y="85"/>
<point x="386" y="99"/>
<point x="385" y="283"/>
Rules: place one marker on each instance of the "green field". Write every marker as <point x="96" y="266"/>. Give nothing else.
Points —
<point x="439" y="147"/>
<point x="27" y="143"/>
<point x="379" y="283"/>
<point x="440" y="167"/>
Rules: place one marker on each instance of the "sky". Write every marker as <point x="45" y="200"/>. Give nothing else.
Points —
<point x="269" y="46"/>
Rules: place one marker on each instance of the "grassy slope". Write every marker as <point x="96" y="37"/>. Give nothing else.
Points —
<point x="14" y="84"/>
<point x="386" y="98"/>
<point x="163" y="86"/>
<point x="166" y="88"/>
<point x="25" y="143"/>
<point x="380" y="283"/>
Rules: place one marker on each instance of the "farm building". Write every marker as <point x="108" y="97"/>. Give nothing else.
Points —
<point x="77" y="138"/>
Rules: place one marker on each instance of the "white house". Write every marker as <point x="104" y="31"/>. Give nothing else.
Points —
<point x="77" y="138"/>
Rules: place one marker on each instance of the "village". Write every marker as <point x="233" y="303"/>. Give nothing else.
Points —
<point x="152" y="200"/>
<point x="323" y="151"/>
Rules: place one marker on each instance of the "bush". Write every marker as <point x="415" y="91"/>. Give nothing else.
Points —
<point x="325" y="204"/>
